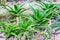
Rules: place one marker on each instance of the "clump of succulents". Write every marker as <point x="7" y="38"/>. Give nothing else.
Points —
<point x="27" y="25"/>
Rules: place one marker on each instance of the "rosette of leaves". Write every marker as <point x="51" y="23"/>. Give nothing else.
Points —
<point x="23" y="29"/>
<point x="46" y="6"/>
<point x="40" y="18"/>
<point x="9" y="29"/>
<point x="16" y="10"/>
<point x="26" y="27"/>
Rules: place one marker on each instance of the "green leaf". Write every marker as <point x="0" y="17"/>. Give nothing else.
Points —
<point x="57" y="29"/>
<point x="33" y="10"/>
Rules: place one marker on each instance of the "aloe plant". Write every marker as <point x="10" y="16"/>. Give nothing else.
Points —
<point x="16" y="11"/>
<point x="45" y="6"/>
<point x="26" y="27"/>
<point x="40" y="18"/>
<point x="23" y="29"/>
<point x="9" y="29"/>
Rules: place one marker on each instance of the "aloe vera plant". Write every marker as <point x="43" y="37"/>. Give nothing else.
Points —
<point x="55" y="8"/>
<point x="23" y="29"/>
<point x="16" y="11"/>
<point x="9" y="29"/>
<point x="40" y="18"/>
<point x="45" y="6"/>
<point x="26" y="26"/>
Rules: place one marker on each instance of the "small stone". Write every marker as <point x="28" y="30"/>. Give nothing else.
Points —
<point x="2" y="35"/>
